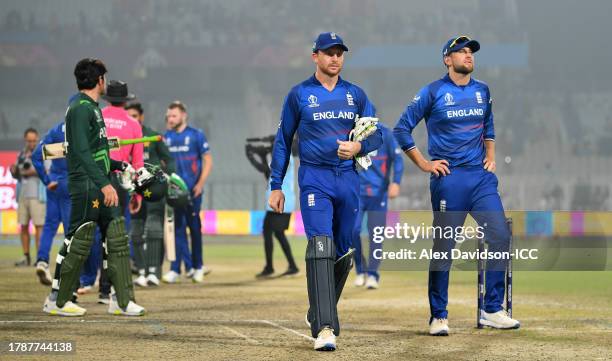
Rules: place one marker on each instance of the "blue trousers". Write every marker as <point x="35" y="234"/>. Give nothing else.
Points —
<point x="329" y="199"/>
<point x="58" y="210"/>
<point x="466" y="190"/>
<point x="183" y="218"/>
<point x="376" y="210"/>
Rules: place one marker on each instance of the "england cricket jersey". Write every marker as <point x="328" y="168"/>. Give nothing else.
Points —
<point x="320" y="117"/>
<point x="59" y="167"/>
<point x="459" y="119"/>
<point x="187" y="148"/>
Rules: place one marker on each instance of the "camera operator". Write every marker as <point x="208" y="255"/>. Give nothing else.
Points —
<point x="31" y="195"/>
<point x="274" y="223"/>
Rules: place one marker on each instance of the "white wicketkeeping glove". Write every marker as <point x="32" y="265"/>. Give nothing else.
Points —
<point x="363" y="128"/>
<point x="127" y="176"/>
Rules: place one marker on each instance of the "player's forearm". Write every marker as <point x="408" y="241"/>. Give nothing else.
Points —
<point x="417" y="158"/>
<point x="206" y="168"/>
<point x="490" y="149"/>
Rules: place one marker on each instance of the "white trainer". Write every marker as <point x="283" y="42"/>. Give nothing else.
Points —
<point x="141" y="281"/>
<point x="439" y="327"/>
<point x="43" y="273"/>
<point x="171" y="277"/>
<point x="152" y="280"/>
<point x="359" y="280"/>
<point x="371" y="283"/>
<point x="190" y="273"/>
<point x="499" y="319"/>
<point x="198" y="276"/>
<point x="132" y="309"/>
<point x="69" y="309"/>
<point x="326" y="340"/>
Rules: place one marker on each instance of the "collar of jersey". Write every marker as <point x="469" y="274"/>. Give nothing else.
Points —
<point x="447" y="79"/>
<point x="316" y="81"/>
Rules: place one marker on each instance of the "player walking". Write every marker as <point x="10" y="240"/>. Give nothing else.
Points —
<point x="58" y="199"/>
<point x="147" y="224"/>
<point x="323" y="110"/>
<point x="457" y="110"/>
<point x="193" y="160"/>
<point x="93" y="200"/>
<point x="376" y="188"/>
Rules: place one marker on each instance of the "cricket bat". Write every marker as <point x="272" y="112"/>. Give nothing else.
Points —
<point x="58" y="150"/>
<point x="169" y="234"/>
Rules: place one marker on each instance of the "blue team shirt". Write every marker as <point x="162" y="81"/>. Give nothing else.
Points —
<point x="459" y="119"/>
<point x="59" y="167"/>
<point x="187" y="148"/>
<point x="320" y="117"/>
<point x="375" y="180"/>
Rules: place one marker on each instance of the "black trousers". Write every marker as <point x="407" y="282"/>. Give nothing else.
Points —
<point x="276" y="224"/>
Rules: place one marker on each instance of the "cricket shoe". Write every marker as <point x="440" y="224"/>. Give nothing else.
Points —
<point x="69" y="309"/>
<point x="371" y="283"/>
<point x="326" y="340"/>
<point x="291" y="272"/>
<point x="24" y="262"/>
<point x="103" y="299"/>
<point x="132" y="309"/>
<point x="359" y="280"/>
<point x="439" y="327"/>
<point x="152" y="280"/>
<point x="198" y="275"/>
<point x="43" y="273"/>
<point x="499" y="319"/>
<point x="84" y="290"/>
<point x="266" y="273"/>
<point x="171" y="277"/>
<point x="190" y="273"/>
<point x="141" y="281"/>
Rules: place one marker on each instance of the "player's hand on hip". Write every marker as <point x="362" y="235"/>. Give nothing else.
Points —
<point x="52" y="186"/>
<point x="197" y="190"/>
<point x="348" y="149"/>
<point x="489" y="164"/>
<point x="111" y="199"/>
<point x="394" y="190"/>
<point x="437" y="167"/>
<point x="277" y="201"/>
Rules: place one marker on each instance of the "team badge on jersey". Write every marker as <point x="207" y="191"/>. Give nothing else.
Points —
<point x="448" y="98"/>
<point x="313" y="102"/>
<point x="349" y="99"/>
<point x="478" y="98"/>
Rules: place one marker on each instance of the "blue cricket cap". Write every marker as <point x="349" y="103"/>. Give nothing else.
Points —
<point x="458" y="43"/>
<point x="327" y="40"/>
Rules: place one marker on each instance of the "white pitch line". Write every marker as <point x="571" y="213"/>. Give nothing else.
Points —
<point x="287" y="329"/>
<point x="249" y="339"/>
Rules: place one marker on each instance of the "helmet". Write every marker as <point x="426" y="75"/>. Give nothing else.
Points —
<point x="154" y="188"/>
<point x="177" y="193"/>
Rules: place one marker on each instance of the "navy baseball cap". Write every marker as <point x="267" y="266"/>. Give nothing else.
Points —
<point x="458" y="43"/>
<point x="327" y="40"/>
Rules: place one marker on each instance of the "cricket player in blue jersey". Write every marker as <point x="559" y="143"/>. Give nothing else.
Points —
<point x="324" y="109"/>
<point x="58" y="199"/>
<point x="377" y="187"/>
<point x="193" y="160"/>
<point x="459" y="118"/>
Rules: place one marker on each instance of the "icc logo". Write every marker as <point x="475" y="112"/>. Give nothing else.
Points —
<point x="320" y="245"/>
<point x="313" y="101"/>
<point x="448" y="98"/>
